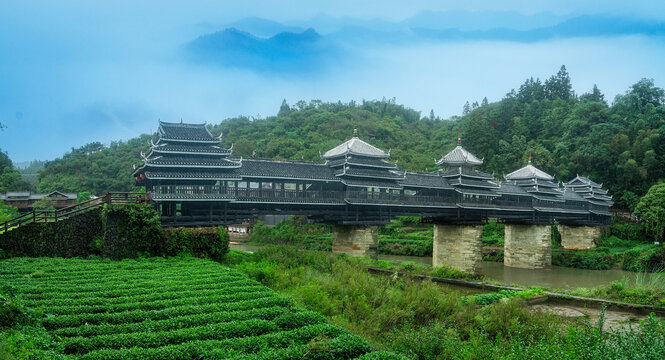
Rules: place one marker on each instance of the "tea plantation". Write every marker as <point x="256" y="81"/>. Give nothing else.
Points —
<point x="177" y="308"/>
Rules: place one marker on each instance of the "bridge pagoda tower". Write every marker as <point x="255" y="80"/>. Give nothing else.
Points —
<point x="459" y="244"/>
<point x="186" y="170"/>
<point x="529" y="244"/>
<point x="597" y="203"/>
<point x="368" y="178"/>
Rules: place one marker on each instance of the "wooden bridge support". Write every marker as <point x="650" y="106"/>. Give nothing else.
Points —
<point x="528" y="246"/>
<point x="355" y="241"/>
<point x="459" y="247"/>
<point x="579" y="237"/>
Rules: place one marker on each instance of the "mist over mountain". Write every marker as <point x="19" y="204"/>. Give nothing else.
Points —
<point x="285" y="51"/>
<point x="265" y="45"/>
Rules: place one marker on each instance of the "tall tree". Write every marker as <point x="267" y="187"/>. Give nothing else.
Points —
<point x="651" y="210"/>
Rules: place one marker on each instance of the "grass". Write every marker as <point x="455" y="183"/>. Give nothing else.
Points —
<point x="423" y="320"/>
<point x="155" y="308"/>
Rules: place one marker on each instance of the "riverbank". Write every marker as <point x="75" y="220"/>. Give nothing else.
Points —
<point x="423" y="320"/>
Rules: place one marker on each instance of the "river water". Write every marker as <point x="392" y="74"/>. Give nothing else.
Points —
<point x="554" y="278"/>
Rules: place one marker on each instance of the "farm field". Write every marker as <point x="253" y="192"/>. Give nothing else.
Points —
<point x="178" y="308"/>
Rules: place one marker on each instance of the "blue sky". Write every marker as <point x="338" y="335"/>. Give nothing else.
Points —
<point x="73" y="72"/>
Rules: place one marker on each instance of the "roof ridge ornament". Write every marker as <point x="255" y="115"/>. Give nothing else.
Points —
<point x="529" y="163"/>
<point x="459" y="139"/>
<point x="355" y="128"/>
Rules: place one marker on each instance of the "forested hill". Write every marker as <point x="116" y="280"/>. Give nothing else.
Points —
<point x="621" y="145"/>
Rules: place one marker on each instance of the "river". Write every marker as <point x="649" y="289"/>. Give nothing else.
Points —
<point x="554" y="278"/>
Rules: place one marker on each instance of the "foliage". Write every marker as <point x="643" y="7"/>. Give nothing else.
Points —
<point x="178" y="308"/>
<point x="493" y="233"/>
<point x="7" y="212"/>
<point x="129" y="230"/>
<point x="640" y="288"/>
<point x="651" y="210"/>
<point x="294" y="231"/>
<point x="94" y="167"/>
<point x="491" y="298"/>
<point x="593" y="259"/>
<point x="10" y="177"/>
<point x="62" y="238"/>
<point x="423" y="320"/>
<point x="210" y="243"/>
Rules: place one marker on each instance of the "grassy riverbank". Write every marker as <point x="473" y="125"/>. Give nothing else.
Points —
<point x="423" y="320"/>
<point x="623" y="245"/>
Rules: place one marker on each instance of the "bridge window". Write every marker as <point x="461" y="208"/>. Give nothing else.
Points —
<point x="409" y="192"/>
<point x="242" y="184"/>
<point x="253" y="185"/>
<point x="290" y="186"/>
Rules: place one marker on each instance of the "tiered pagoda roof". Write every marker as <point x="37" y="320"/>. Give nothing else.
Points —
<point x="536" y="182"/>
<point x="459" y="172"/>
<point x="186" y="151"/>
<point x="359" y="164"/>
<point x="590" y="190"/>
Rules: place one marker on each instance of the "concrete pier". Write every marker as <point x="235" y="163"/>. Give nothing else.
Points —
<point x="528" y="246"/>
<point x="356" y="241"/>
<point x="459" y="247"/>
<point x="579" y="237"/>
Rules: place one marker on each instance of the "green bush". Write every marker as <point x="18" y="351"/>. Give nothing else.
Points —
<point x="633" y="232"/>
<point x="593" y="259"/>
<point x="405" y="247"/>
<point x="644" y="258"/>
<point x="210" y="243"/>
<point x="493" y="233"/>
<point x="130" y="230"/>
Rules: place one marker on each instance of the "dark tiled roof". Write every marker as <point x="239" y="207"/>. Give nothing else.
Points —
<point x="192" y="148"/>
<point x="583" y="181"/>
<point x="285" y="169"/>
<point x="361" y="161"/>
<point x="192" y="162"/>
<point x="465" y="171"/>
<point x="542" y="190"/>
<point x="426" y="180"/>
<point x="464" y="181"/>
<point x="368" y="173"/>
<point x="165" y="173"/>
<point x="355" y="146"/>
<point x="185" y="132"/>
<point x="512" y="189"/>
<point x="569" y="194"/>
<point x="459" y="156"/>
<point x="536" y="181"/>
<point x="529" y="172"/>
<point x="372" y="183"/>
<point x="476" y="192"/>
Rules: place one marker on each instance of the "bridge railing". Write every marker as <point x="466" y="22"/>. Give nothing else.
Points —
<point x="37" y="216"/>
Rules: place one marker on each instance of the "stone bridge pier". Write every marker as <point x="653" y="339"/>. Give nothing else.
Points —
<point x="458" y="246"/>
<point x="579" y="237"/>
<point x="528" y="246"/>
<point x="355" y="241"/>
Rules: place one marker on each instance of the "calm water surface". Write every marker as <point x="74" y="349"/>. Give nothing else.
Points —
<point x="554" y="278"/>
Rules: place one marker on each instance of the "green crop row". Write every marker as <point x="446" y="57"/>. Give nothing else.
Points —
<point x="179" y="322"/>
<point x="217" y="349"/>
<point x="229" y="295"/>
<point x="134" y="316"/>
<point x="205" y="289"/>
<point x="27" y="266"/>
<point x="131" y="288"/>
<point x="343" y="347"/>
<point x="92" y="284"/>
<point x="82" y="345"/>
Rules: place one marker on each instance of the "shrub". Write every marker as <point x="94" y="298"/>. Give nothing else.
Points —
<point x="201" y="242"/>
<point x="594" y="259"/>
<point x="130" y="230"/>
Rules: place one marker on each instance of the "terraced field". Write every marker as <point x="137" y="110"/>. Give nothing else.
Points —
<point x="172" y="309"/>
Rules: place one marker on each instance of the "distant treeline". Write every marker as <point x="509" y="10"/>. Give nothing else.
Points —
<point x="620" y="144"/>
